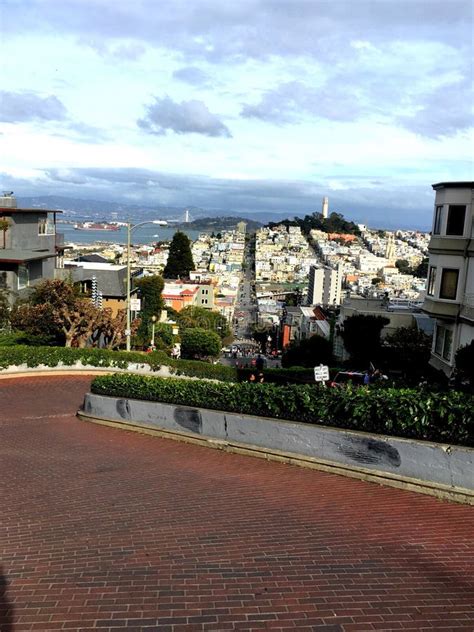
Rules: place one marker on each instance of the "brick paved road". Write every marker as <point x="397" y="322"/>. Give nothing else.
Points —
<point x="107" y="530"/>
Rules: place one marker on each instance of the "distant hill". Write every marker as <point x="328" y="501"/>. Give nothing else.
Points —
<point x="335" y="223"/>
<point x="220" y="223"/>
<point x="87" y="209"/>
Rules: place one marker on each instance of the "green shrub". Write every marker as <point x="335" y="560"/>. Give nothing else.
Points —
<point x="12" y="338"/>
<point x="199" y="343"/>
<point x="442" y="417"/>
<point x="15" y="354"/>
<point x="52" y="356"/>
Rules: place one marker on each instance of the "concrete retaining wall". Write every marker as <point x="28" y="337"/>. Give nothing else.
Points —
<point x="447" y="471"/>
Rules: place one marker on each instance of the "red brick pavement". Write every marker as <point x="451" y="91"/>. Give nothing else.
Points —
<point x="107" y="530"/>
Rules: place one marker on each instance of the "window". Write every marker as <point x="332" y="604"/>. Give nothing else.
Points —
<point x="449" y="284"/>
<point x="456" y="217"/>
<point x="437" y="220"/>
<point x="23" y="277"/>
<point x="431" y="281"/>
<point x="46" y="225"/>
<point x="443" y="342"/>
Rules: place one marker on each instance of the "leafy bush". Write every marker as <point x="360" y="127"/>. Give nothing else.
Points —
<point x="361" y="336"/>
<point x="309" y="352"/>
<point x="52" y="356"/>
<point x="12" y="338"/>
<point x="465" y="366"/>
<point x="200" y="343"/>
<point x="11" y="354"/>
<point x="195" y="368"/>
<point x="444" y="417"/>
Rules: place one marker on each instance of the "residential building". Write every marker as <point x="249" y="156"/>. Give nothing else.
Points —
<point x="181" y="294"/>
<point x="325" y="285"/>
<point x="450" y="287"/>
<point x="30" y="248"/>
<point x="302" y="322"/>
<point x="107" y="280"/>
<point x="400" y="312"/>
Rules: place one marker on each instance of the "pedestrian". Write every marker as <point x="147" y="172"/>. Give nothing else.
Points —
<point x="252" y="377"/>
<point x="259" y="363"/>
<point x="261" y="378"/>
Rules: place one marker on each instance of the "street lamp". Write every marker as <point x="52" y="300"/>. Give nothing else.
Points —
<point x="153" y="321"/>
<point x="130" y="227"/>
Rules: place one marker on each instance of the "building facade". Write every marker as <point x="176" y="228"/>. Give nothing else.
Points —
<point x="450" y="286"/>
<point x="324" y="286"/>
<point x="30" y="248"/>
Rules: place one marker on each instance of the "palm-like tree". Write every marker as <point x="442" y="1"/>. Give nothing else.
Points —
<point x="4" y="226"/>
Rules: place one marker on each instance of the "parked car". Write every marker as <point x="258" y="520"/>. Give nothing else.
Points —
<point x="357" y="378"/>
<point x="347" y="377"/>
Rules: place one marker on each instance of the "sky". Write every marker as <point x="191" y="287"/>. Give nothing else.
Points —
<point x="243" y="105"/>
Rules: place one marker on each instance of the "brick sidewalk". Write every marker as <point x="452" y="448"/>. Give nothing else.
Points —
<point x="108" y="530"/>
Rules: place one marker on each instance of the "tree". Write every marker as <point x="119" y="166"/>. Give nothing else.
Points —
<point x="421" y="269"/>
<point x="111" y="329"/>
<point x="4" y="226"/>
<point x="164" y="338"/>
<point x="361" y="336"/>
<point x="377" y="281"/>
<point x="198" y="343"/>
<point x="403" y="266"/>
<point x="41" y="314"/>
<point x="180" y="259"/>
<point x="58" y="311"/>
<point x="335" y="223"/>
<point x="4" y="309"/>
<point x="465" y="365"/>
<point x="408" y="350"/>
<point x="150" y="289"/>
<point x="193" y="316"/>
<point x="309" y="352"/>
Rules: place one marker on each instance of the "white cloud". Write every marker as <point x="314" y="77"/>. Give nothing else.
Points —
<point x="186" y="117"/>
<point x="18" y="107"/>
<point x="309" y="91"/>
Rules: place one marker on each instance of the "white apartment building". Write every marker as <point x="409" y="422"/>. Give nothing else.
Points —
<point x="450" y="286"/>
<point x="325" y="285"/>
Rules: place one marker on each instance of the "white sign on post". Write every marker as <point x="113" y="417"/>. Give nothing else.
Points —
<point x="321" y="373"/>
<point x="135" y="304"/>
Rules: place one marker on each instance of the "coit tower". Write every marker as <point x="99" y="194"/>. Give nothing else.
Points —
<point x="325" y="207"/>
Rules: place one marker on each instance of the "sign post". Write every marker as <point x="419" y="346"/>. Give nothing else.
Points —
<point x="321" y="373"/>
<point x="135" y="304"/>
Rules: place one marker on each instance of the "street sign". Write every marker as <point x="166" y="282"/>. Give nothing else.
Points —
<point x="321" y="373"/>
<point x="135" y="304"/>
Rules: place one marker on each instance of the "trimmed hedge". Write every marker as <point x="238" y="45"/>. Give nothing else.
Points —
<point x="441" y="417"/>
<point x="52" y="356"/>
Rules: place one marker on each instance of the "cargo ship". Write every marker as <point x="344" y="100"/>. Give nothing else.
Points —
<point x="96" y="226"/>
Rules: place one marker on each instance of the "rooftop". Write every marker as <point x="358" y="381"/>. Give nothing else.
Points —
<point x="12" y="209"/>
<point x="21" y="255"/>
<point x="453" y="185"/>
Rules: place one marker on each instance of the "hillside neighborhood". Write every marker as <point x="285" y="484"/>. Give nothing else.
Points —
<point x="299" y="284"/>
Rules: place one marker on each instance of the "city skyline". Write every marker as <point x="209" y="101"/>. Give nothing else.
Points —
<point x="265" y="106"/>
